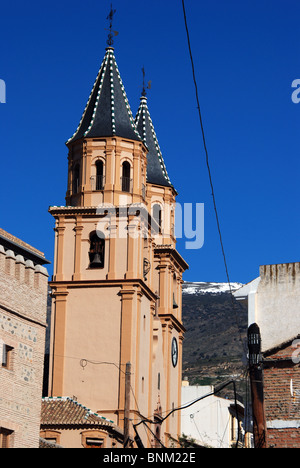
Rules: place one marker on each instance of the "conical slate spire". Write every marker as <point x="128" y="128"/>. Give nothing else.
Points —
<point x="156" y="169"/>
<point x="107" y="112"/>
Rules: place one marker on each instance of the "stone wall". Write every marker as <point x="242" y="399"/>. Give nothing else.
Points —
<point x="23" y="301"/>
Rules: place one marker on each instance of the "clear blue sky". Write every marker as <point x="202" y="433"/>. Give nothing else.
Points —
<point x="246" y="56"/>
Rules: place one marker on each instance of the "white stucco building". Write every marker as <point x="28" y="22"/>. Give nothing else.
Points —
<point x="212" y="421"/>
<point x="273" y="303"/>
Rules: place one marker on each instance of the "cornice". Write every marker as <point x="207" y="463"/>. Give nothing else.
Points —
<point x="174" y="321"/>
<point x="106" y="283"/>
<point x="168" y="249"/>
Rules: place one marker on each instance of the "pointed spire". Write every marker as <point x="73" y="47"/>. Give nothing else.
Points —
<point x="107" y="112"/>
<point x="156" y="169"/>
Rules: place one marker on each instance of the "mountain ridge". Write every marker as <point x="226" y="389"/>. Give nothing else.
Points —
<point x="216" y="331"/>
<point x="189" y="287"/>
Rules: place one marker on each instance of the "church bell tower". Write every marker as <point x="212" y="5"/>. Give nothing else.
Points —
<point x="117" y="276"/>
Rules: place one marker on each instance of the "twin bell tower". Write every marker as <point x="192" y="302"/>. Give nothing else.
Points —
<point x="117" y="279"/>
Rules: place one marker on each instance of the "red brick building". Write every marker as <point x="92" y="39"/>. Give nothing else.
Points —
<point x="282" y="395"/>
<point x="23" y="307"/>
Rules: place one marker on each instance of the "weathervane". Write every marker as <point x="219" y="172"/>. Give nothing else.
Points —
<point x="112" y="33"/>
<point x="144" y="85"/>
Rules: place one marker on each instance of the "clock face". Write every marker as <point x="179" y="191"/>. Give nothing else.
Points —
<point x="174" y="352"/>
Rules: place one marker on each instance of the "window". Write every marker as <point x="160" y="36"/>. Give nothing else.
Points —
<point x="93" y="443"/>
<point x="125" y="179"/>
<point x="175" y="305"/>
<point x="76" y="177"/>
<point x="97" y="250"/>
<point x="93" y="438"/>
<point x="6" y="356"/>
<point x="99" y="175"/>
<point x="157" y="212"/>
<point x="53" y="437"/>
<point x="5" y="437"/>
<point x="143" y="384"/>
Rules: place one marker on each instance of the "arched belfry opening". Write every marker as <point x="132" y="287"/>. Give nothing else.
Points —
<point x="99" y="175"/>
<point x="97" y="250"/>
<point x="126" y="181"/>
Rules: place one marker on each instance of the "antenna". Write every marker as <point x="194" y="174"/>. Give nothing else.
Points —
<point x="112" y="33"/>
<point x="144" y="85"/>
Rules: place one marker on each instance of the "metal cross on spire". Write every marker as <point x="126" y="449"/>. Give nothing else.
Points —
<point x="144" y="84"/>
<point x="112" y="33"/>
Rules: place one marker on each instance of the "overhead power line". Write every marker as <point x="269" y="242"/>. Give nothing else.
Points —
<point x="208" y="168"/>
<point x="161" y="420"/>
<point x="204" y="143"/>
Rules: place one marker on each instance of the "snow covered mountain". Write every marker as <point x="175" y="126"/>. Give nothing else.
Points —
<point x="209" y="288"/>
<point x="215" y="333"/>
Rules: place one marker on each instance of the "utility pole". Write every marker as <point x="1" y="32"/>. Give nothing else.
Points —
<point x="257" y="387"/>
<point x="127" y="404"/>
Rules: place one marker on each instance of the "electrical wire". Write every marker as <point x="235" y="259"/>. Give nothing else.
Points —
<point x="214" y="392"/>
<point x="209" y="170"/>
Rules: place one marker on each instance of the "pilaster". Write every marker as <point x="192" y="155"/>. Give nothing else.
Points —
<point x="58" y="348"/>
<point x="60" y="230"/>
<point x="112" y="252"/>
<point x="109" y="176"/>
<point x="127" y="294"/>
<point x="78" y="245"/>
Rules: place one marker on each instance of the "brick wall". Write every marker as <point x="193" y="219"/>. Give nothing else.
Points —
<point x="23" y="298"/>
<point x="282" y="398"/>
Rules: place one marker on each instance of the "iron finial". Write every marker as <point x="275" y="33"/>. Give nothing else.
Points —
<point x="144" y="93"/>
<point x="112" y="33"/>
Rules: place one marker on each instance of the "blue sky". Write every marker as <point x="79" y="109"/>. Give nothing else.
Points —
<point x="246" y="57"/>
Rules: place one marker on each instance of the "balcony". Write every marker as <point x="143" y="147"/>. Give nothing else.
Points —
<point x="97" y="183"/>
<point x="126" y="184"/>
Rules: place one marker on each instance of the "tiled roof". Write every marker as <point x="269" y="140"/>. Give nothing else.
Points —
<point x="58" y="411"/>
<point x="107" y="112"/>
<point x="21" y="248"/>
<point x="156" y="169"/>
<point x="14" y="239"/>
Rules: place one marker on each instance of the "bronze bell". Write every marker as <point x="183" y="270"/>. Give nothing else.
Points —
<point x="96" y="262"/>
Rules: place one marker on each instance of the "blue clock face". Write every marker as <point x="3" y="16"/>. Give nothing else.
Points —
<point x="174" y="352"/>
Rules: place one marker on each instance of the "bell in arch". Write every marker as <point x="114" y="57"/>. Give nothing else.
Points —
<point x="96" y="261"/>
<point x="96" y="252"/>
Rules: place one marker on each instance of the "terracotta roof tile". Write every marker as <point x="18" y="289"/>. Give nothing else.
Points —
<point x="66" y="411"/>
